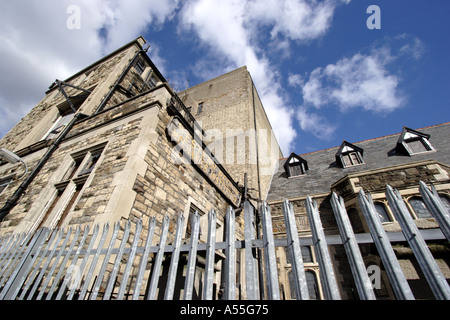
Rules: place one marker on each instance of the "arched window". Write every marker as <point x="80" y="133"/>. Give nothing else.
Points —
<point x="382" y="212"/>
<point x="419" y="208"/>
<point x="311" y="281"/>
<point x="306" y="254"/>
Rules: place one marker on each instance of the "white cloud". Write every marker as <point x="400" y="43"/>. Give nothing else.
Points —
<point x="315" y="124"/>
<point x="231" y="29"/>
<point x="364" y="80"/>
<point x="209" y="19"/>
<point x="38" y="46"/>
<point x="360" y="81"/>
<point x="295" y="80"/>
<point x="296" y="19"/>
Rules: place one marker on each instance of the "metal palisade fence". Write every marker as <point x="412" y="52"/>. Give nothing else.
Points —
<point x="122" y="263"/>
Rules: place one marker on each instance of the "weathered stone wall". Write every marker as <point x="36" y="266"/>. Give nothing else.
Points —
<point x="227" y="113"/>
<point x="400" y="178"/>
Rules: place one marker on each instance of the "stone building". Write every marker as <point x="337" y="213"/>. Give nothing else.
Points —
<point x="114" y="142"/>
<point x="401" y="160"/>
<point x="99" y="142"/>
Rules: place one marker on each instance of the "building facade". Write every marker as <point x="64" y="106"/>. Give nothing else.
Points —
<point x="114" y="142"/>
<point x="400" y="160"/>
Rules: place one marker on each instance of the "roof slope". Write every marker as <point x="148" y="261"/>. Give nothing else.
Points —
<point x="378" y="153"/>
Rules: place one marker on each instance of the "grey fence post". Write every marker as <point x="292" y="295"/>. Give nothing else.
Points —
<point x="94" y="262"/>
<point x="49" y="276"/>
<point x="190" y="272"/>
<point x="63" y="264"/>
<point x="230" y="253"/>
<point x="436" y="207"/>
<point x="270" y="257"/>
<point x="144" y="259"/>
<point x="37" y="282"/>
<point x="12" y="287"/>
<point x="295" y="252"/>
<point x="6" y="251"/>
<point x="250" y="268"/>
<point x="105" y="262"/>
<point x="12" y="256"/>
<point x="391" y="265"/>
<point x="158" y="260"/>
<point x="86" y="257"/>
<point x="362" y="281"/>
<point x="35" y="271"/>
<point x="112" y="276"/>
<point x="329" y="283"/>
<point x="68" y="275"/>
<point x="432" y="273"/>
<point x="126" y="273"/>
<point x="174" y="260"/>
<point x="210" y="254"/>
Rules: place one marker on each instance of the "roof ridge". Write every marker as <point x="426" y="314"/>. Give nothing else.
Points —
<point x="372" y="139"/>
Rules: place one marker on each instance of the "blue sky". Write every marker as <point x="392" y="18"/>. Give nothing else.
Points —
<point x="322" y="74"/>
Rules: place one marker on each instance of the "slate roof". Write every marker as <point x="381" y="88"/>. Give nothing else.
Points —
<point x="378" y="153"/>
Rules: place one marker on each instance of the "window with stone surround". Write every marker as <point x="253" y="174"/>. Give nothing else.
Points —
<point x="192" y="209"/>
<point x="295" y="166"/>
<point x="68" y="190"/>
<point x="413" y="142"/>
<point x="311" y="282"/>
<point x="311" y="272"/>
<point x="419" y="208"/>
<point x="382" y="212"/>
<point x="66" y="114"/>
<point x="199" y="108"/>
<point x="140" y="66"/>
<point x="147" y="74"/>
<point x="349" y="155"/>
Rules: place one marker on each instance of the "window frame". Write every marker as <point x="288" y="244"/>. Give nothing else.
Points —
<point x="413" y="208"/>
<point x="69" y="189"/>
<point x="140" y="66"/>
<point x="409" y="136"/>
<point x="295" y="161"/>
<point x="386" y="209"/>
<point x="423" y="142"/>
<point x="66" y="114"/>
<point x="344" y="155"/>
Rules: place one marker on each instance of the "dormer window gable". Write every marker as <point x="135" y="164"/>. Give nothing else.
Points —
<point x="295" y="166"/>
<point x="349" y="155"/>
<point x="413" y="142"/>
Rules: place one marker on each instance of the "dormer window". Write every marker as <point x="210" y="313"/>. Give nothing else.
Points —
<point x="413" y="142"/>
<point x="295" y="166"/>
<point x="349" y="155"/>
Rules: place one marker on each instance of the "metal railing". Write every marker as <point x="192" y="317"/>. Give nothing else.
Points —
<point x="124" y="263"/>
